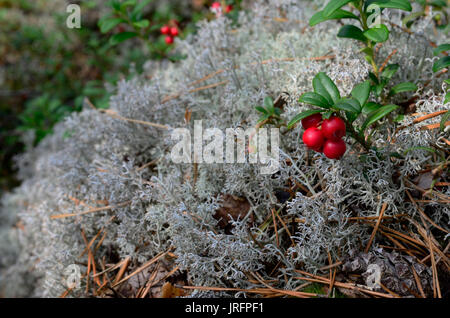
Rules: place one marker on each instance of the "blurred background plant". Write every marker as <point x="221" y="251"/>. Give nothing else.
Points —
<point x="47" y="69"/>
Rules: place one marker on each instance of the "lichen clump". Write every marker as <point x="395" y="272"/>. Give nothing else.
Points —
<point x="97" y="159"/>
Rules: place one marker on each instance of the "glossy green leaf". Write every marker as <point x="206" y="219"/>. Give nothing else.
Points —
<point x="439" y="3"/>
<point x="350" y="105"/>
<point x="390" y="71"/>
<point x="352" y="32"/>
<point x="334" y="5"/>
<point x="327" y="114"/>
<point x="403" y="87"/>
<point x="392" y="4"/>
<point x="141" y="24"/>
<point x="361" y="92"/>
<point x="268" y="103"/>
<point x="324" y="86"/>
<point x="303" y="115"/>
<point x="447" y="97"/>
<point x="370" y="107"/>
<point x="373" y="77"/>
<point x="263" y="118"/>
<point x="107" y="25"/>
<point x="441" y="48"/>
<point x="377" y="34"/>
<point x="141" y="5"/>
<point x="120" y="37"/>
<point x="441" y="63"/>
<point x="444" y="120"/>
<point x="338" y="14"/>
<point x="378" y="114"/>
<point x="127" y="3"/>
<point x="261" y="109"/>
<point x="314" y="99"/>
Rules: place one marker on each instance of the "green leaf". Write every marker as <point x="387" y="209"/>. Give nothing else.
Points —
<point x="447" y="97"/>
<point x="141" y="5"/>
<point x="327" y="114"/>
<point x="141" y="24"/>
<point x="403" y="87"/>
<point x="378" y="89"/>
<point x="261" y="109"/>
<point x="350" y="105"/>
<point x="361" y="92"/>
<point x="324" y="86"/>
<point x="392" y="4"/>
<point x="128" y="3"/>
<point x="338" y="14"/>
<point x="441" y="48"/>
<point x="439" y="3"/>
<point x="277" y="111"/>
<point x="368" y="51"/>
<point x="263" y="118"/>
<point x="419" y="148"/>
<point x="370" y="107"/>
<point x="314" y="99"/>
<point x="378" y="114"/>
<point x="390" y="71"/>
<point x="302" y="115"/>
<point x="109" y="24"/>
<point x="120" y="37"/>
<point x="268" y="103"/>
<point x="352" y="32"/>
<point x="377" y="34"/>
<point x="334" y="5"/>
<point x="373" y="77"/>
<point x="441" y="63"/>
<point x="444" y="120"/>
<point x="115" y="4"/>
<point x="399" y="118"/>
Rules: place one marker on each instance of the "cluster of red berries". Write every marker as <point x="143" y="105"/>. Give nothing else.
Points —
<point x="216" y="7"/>
<point x="325" y="136"/>
<point x="170" y="33"/>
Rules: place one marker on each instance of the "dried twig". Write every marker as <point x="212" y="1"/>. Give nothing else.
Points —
<point x="383" y="208"/>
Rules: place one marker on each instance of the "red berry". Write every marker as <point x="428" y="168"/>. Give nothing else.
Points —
<point x="216" y="5"/>
<point x="228" y="8"/>
<point x="311" y="121"/>
<point x="169" y="39"/>
<point x="313" y="138"/>
<point x="165" y="30"/>
<point x="334" y="149"/>
<point x="174" y="31"/>
<point x="333" y="128"/>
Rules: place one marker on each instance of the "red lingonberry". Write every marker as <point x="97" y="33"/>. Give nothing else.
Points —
<point x="228" y="8"/>
<point x="174" y="31"/>
<point x="313" y="138"/>
<point x="334" y="149"/>
<point x="311" y="121"/>
<point x="169" y="39"/>
<point x="165" y="30"/>
<point x="333" y="128"/>
<point x="216" y="5"/>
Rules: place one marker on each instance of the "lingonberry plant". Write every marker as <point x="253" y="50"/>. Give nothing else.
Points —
<point x="340" y="113"/>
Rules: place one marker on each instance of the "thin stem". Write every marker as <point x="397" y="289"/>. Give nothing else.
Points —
<point x="358" y="137"/>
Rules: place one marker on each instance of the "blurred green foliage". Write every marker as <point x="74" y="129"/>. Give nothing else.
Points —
<point x="47" y="69"/>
